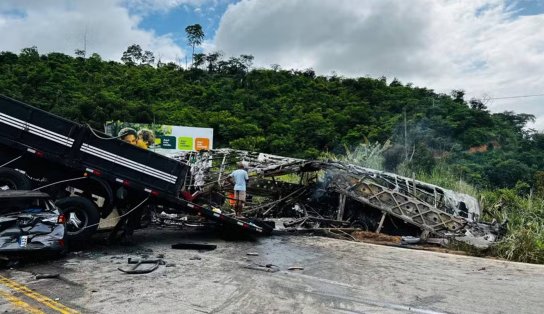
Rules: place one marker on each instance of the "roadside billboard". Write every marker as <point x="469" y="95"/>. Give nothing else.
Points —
<point x="165" y="139"/>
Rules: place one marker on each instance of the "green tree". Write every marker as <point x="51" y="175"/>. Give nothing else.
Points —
<point x="199" y="59"/>
<point x="148" y="58"/>
<point x="132" y="55"/>
<point x="79" y="53"/>
<point x="195" y="36"/>
<point x="212" y="59"/>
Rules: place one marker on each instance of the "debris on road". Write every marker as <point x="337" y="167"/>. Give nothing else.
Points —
<point x="47" y="276"/>
<point x="270" y="268"/>
<point x="295" y="268"/>
<point x="252" y="254"/>
<point x="194" y="246"/>
<point x="410" y="240"/>
<point x="136" y="270"/>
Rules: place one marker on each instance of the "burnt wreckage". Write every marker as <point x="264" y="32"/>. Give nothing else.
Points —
<point x="330" y="194"/>
<point x="76" y="165"/>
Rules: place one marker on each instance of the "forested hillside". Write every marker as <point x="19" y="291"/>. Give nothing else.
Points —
<point x="286" y="112"/>
<point x="443" y="139"/>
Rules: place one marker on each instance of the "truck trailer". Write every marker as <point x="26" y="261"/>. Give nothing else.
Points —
<point x="45" y="152"/>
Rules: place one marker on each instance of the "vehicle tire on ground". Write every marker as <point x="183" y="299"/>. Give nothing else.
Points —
<point x="82" y="218"/>
<point x="14" y="180"/>
<point x="364" y="223"/>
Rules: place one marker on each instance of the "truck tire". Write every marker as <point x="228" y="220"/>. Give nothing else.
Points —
<point x="14" y="180"/>
<point x="82" y="218"/>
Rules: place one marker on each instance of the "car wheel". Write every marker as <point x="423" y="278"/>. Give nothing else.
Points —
<point x="11" y="179"/>
<point x="82" y="218"/>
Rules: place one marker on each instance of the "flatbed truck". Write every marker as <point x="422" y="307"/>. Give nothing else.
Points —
<point x="39" y="150"/>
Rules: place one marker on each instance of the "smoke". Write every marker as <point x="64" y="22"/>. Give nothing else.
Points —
<point x="418" y="143"/>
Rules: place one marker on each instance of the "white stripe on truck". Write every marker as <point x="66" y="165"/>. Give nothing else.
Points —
<point x="95" y="151"/>
<point x="36" y="130"/>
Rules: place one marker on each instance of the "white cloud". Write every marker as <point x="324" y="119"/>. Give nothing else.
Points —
<point x="146" y="6"/>
<point x="61" y="26"/>
<point x="480" y="46"/>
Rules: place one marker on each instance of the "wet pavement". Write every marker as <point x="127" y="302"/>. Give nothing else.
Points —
<point x="338" y="276"/>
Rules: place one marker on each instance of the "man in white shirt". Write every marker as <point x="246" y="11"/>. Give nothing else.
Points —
<point x="239" y="178"/>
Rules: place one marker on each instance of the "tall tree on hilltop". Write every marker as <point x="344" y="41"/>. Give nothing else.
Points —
<point x="195" y="35"/>
<point x="132" y="54"/>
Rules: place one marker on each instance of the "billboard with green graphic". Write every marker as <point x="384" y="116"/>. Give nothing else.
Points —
<point x="163" y="139"/>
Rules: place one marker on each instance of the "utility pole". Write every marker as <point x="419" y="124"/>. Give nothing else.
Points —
<point x="85" y="43"/>
<point x="405" y="137"/>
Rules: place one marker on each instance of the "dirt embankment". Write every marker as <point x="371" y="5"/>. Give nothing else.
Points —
<point x="373" y="237"/>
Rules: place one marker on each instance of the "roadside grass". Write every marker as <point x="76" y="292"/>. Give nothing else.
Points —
<point x="524" y="239"/>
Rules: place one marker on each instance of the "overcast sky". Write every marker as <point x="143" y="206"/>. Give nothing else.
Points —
<point x="489" y="48"/>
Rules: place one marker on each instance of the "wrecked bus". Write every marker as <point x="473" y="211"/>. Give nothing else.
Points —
<point x="325" y="195"/>
<point x="89" y="173"/>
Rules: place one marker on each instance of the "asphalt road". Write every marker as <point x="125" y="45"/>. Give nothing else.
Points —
<point x="338" y="277"/>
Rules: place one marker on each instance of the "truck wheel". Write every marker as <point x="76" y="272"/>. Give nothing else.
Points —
<point x="82" y="218"/>
<point x="13" y="180"/>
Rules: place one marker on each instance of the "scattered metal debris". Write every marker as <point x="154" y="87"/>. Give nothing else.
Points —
<point x="47" y="276"/>
<point x="194" y="246"/>
<point x="270" y="268"/>
<point x="338" y="198"/>
<point x="137" y="263"/>
<point x="410" y="240"/>
<point x="295" y="268"/>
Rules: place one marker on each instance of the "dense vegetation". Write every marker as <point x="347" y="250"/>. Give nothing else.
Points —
<point x="295" y="113"/>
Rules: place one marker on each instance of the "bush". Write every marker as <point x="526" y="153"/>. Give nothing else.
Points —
<point x="524" y="241"/>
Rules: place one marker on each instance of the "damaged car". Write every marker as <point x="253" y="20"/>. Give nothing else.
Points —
<point x="30" y="223"/>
